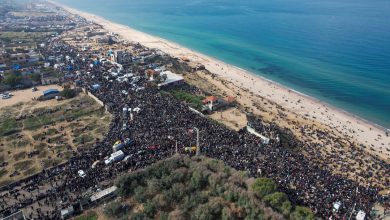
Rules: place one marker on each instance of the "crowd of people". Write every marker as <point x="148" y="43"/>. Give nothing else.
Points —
<point x="161" y="122"/>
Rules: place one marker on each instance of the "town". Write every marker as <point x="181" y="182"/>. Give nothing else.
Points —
<point x="133" y="106"/>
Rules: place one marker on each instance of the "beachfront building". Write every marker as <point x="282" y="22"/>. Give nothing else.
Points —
<point x="212" y="103"/>
<point x="171" y="79"/>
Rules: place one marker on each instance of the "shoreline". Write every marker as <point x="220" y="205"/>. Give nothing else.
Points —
<point x="348" y="124"/>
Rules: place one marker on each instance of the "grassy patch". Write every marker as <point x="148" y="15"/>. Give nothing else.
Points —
<point x="8" y="127"/>
<point x="51" y="162"/>
<point x="23" y="165"/>
<point x="20" y="155"/>
<point x="82" y="139"/>
<point x="88" y="216"/>
<point x="193" y="100"/>
<point x="3" y="172"/>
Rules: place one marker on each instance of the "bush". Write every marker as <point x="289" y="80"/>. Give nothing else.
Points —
<point x="263" y="186"/>
<point x="278" y="201"/>
<point x="227" y="214"/>
<point x="139" y="194"/>
<point x="202" y="212"/>
<point x="138" y="216"/>
<point x="198" y="181"/>
<point x="68" y="93"/>
<point x="302" y="213"/>
<point x="116" y="210"/>
<point x="150" y="209"/>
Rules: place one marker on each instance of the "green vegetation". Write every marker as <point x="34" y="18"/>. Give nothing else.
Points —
<point x="88" y="216"/>
<point x="194" y="100"/>
<point x="263" y="187"/>
<point x="8" y="126"/>
<point x="23" y="36"/>
<point x="68" y="93"/>
<point x="199" y="188"/>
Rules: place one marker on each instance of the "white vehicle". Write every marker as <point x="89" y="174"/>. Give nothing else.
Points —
<point x="115" y="157"/>
<point x="82" y="173"/>
<point x="127" y="158"/>
<point x="108" y="161"/>
<point x="6" y="96"/>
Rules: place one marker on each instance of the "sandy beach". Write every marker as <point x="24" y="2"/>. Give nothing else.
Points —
<point x="303" y="108"/>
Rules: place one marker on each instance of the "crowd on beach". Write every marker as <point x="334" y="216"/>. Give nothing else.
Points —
<point x="160" y="123"/>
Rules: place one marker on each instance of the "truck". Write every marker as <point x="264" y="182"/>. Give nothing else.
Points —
<point x="119" y="145"/>
<point x="117" y="156"/>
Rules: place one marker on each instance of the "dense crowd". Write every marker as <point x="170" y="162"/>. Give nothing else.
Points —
<point x="161" y="122"/>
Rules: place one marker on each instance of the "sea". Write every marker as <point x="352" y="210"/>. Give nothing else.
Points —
<point x="337" y="51"/>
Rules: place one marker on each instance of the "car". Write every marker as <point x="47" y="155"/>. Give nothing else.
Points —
<point x="82" y="173"/>
<point x="6" y="96"/>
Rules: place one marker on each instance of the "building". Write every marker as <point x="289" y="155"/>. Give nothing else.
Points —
<point x="50" y="93"/>
<point x="172" y="79"/>
<point x="212" y="103"/>
<point x="18" y="58"/>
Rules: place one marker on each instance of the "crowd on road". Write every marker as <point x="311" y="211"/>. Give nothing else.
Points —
<point x="160" y="122"/>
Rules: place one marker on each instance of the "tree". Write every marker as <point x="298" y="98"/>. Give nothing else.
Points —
<point x="36" y="77"/>
<point x="68" y="93"/>
<point x="164" y="77"/>
<point x="302" y="213"/>
<point x="150" y="209"/>
<point x="263" y="186"/>
<point x="12" y="79"/>
<point x="115" y="209"/>
<point x="202" y="212"/>
<point x="278" y="201"/>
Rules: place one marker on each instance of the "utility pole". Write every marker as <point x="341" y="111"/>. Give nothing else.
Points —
<point x="197" y="141"/>
<point x="176" y="147"/>
<point x="353" y="210"/>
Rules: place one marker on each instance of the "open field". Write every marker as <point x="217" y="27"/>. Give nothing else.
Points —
<point x="26" y="95"/>
<point x="23" y="36"/>
<point x="36" y="135"/>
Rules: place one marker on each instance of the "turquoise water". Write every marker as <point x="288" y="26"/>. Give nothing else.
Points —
<point x="335" y="50"/>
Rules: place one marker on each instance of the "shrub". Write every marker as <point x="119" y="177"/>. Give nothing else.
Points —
<point x="150" y="209"/>
<point x="263" y="186"/>
<point x="198" y="181"/>
<point x="68" y="93"/>
<point x="227" y="214"/>
<point x="161" y="202"/>
<point x="115" y="210"/>
<point x="139" y="194"/>
<point x="302" y="213"/>
<point x="279" y="201"/>
<point x="138" y="216"/>
<point x="202" y="212"/>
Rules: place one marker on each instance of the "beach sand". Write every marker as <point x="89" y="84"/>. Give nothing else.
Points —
<point x="276" y="103"/>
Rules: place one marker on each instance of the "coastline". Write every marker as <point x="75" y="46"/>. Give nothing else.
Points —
<point x="360" y="130"/>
